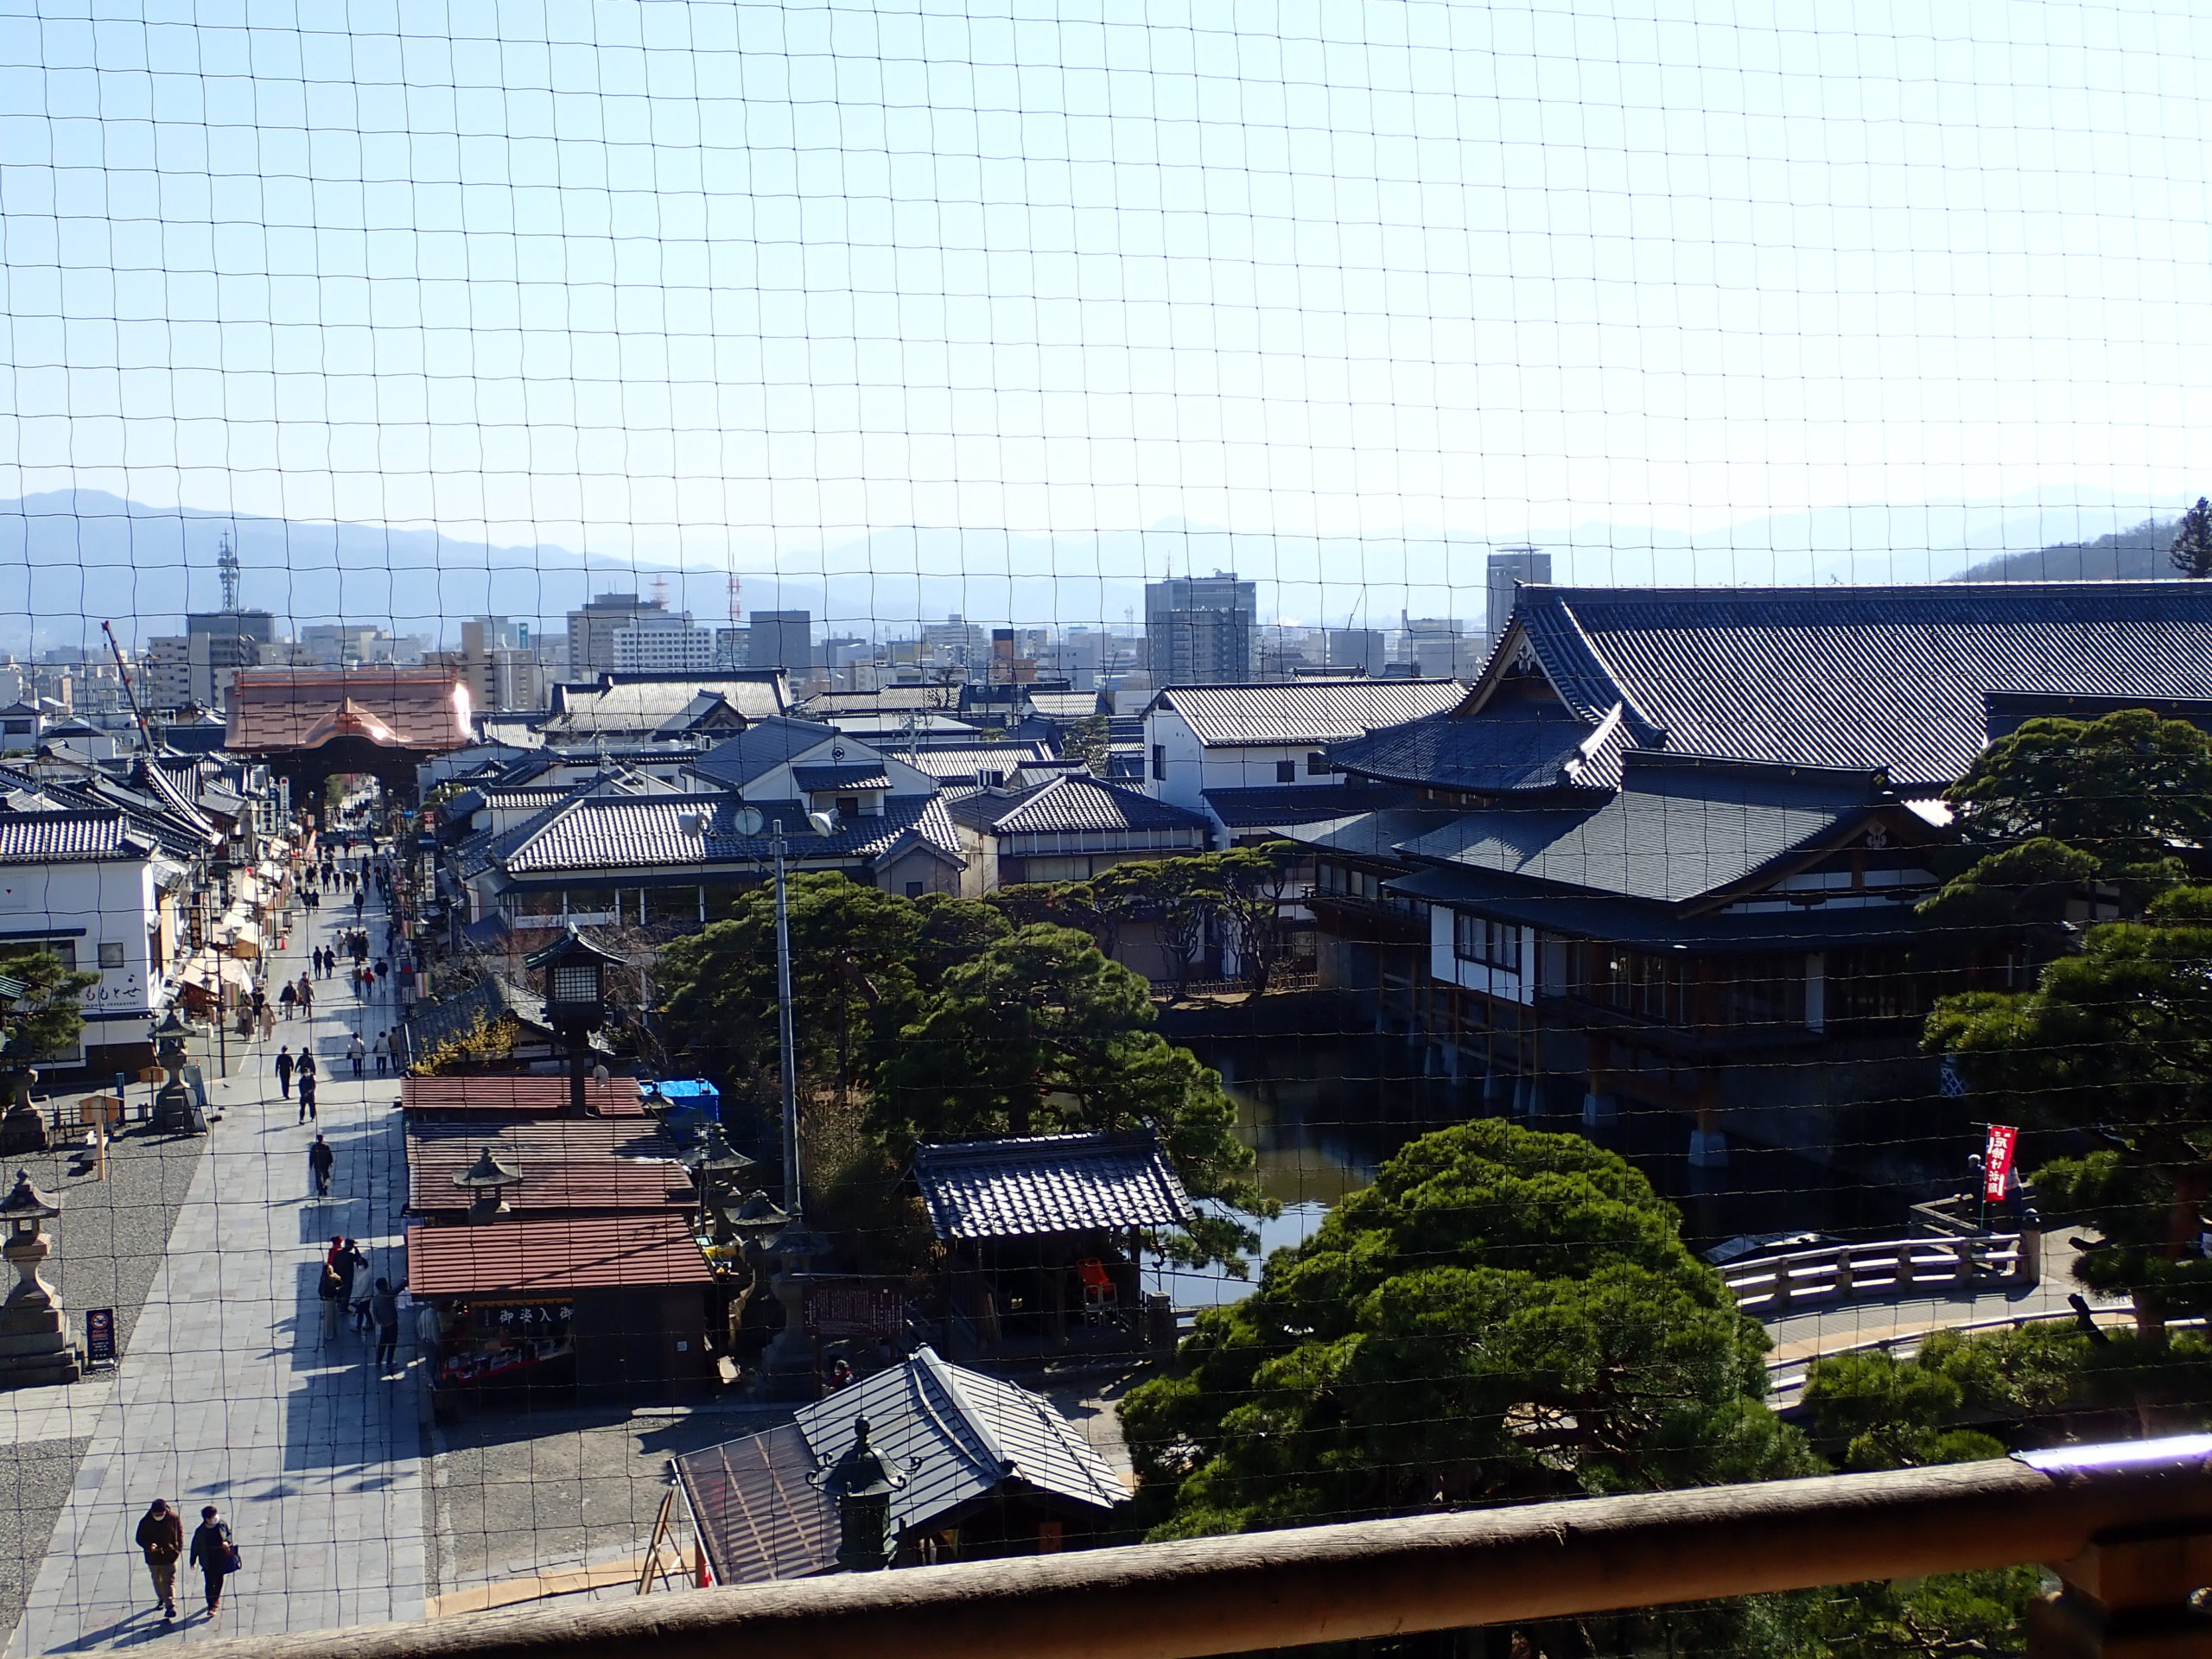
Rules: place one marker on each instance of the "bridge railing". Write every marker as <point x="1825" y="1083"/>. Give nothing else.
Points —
<point x="1886" y="1267"/>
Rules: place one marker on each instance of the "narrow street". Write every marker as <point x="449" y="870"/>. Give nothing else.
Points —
<point x="229" y="1393"/>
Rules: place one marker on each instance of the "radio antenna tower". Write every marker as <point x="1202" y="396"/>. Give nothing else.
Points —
<point x="736" y="599"/>
<point x="226" y="571"/>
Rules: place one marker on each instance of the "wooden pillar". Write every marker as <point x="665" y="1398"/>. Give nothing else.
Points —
<point x="2127" y="1598"/>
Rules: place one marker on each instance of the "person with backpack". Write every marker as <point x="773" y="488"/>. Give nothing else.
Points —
<point x="322" y="1160"/>
<point x="160" y="1541"/>
<point x="215" y="1553"/>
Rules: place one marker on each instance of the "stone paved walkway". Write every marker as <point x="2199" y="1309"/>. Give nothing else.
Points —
<point x="228" y="1394"/>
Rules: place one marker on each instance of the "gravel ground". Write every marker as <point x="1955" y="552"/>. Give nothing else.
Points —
<point x="520" y="1493"/>
<point x="34" y="1482"/>
<point x="108" y="1244"/>
<point x="112" y="1235"/>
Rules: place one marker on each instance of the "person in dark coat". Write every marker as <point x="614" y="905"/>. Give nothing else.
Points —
<point x="213" y="1551"/>
<point x="322" y="1160"/>
<point x="160" y="1541"/>
<point x="284" y="1064"/>
<point x="384" y="1307"/>
<point x="307" y="1095"/>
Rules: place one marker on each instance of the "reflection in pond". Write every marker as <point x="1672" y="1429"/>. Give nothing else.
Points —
<point x="1320" y="1113"/>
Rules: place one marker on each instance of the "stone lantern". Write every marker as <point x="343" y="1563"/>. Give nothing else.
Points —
<point x="860" y="1485"/>
<point x="488" y="1179"/>
<point x="34" y="1343"/>
<point x="174" y="1110"/>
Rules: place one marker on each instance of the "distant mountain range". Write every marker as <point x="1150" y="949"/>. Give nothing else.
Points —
<point x="2137" y="554"/>
<point x="69" y="559"/>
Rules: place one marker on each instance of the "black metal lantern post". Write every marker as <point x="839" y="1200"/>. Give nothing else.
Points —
<point x="575" y="1002"/>
<point x="860" y="1485"/>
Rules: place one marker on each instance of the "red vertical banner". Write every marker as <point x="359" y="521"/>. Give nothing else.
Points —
<point x="1997" y="1160"/>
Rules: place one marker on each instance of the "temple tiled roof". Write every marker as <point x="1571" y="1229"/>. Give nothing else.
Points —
<point x="1074" y="804"/>
<point x="1858" y="676"/>
<point x="1037" y="1185"/>
<point x="1304" y="711"/>
<point x="626" y="832"/>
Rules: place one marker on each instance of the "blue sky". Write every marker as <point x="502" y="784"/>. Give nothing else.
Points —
<point x="752" y="283"/>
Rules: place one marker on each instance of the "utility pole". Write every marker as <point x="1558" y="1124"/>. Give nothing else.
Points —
<point x="784" y="1042"/>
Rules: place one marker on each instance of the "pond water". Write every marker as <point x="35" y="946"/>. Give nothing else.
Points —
<point x="1321" y="1113"/>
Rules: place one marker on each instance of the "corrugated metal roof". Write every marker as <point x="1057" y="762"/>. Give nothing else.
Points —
<point x="1305" y="711"/>
<point x="1035" y="1185"/>
<point x="581" y="1165"/>
<point x="957" y="1435"/>
<point x="553" y="1256"/>
<point x="517" y="1096"/>
<point x="1839" y="675"/>
<point x="760" y="1516"/>
<point x="1075" y="803"/>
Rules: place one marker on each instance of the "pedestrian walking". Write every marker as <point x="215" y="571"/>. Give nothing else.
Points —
<point x="384" y="1304"/>
<point x="307" y="996"/>
<point x="356" y="1050"/>
<point x="284" y="1069"/>
<point x="361" y="1286"/>
<point x="355" y="975"/>
<point x="215" y="1553"/>
<point x="288" y="998"/>
<point x="322" y="1160"/>
<point x="268" y="1022"/>
<point x="306" y="1096"/>
<point x="160" y="1541"/>
<point x="382" y="1049"/>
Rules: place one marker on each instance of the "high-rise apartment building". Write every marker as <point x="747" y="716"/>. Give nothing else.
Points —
<point x="1508" y="570"/>
<point x="1199" y="630"/>
<point x="668" y="643"/>
<point x="592" y="630"/>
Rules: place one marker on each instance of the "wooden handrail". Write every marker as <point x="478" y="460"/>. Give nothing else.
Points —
<point x="1368" y="1578"/>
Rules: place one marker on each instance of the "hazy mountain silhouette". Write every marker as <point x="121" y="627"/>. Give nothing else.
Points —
<point x="2137" y="554"/>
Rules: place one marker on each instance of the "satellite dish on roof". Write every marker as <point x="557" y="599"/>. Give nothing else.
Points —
<point x="747" y="820"/>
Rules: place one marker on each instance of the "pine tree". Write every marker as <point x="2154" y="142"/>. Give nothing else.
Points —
<point x="2192" y="549"/>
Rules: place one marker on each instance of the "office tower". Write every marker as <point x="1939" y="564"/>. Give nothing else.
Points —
<point x="1199" y="630"/>
<point x="781" y="640"/>
<point x="592" y="630"/>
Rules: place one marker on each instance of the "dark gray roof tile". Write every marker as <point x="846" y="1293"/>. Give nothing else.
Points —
<point x="1038" y="1184"/>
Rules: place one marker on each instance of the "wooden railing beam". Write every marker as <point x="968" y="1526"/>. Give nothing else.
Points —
<point x="1341" y="1583"/>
